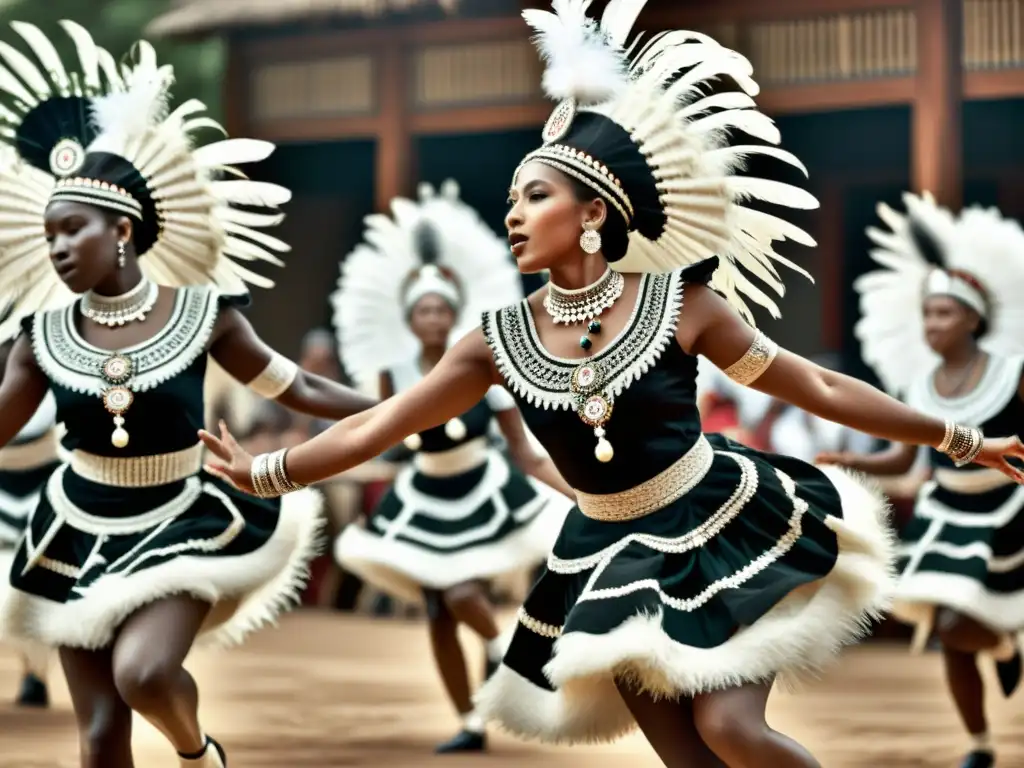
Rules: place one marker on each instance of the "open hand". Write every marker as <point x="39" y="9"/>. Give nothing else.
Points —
<point x="233" y="464"/>
<point x="995" y="453"/>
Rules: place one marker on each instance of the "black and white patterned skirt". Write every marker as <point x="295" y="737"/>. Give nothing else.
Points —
<point x="19" y="496"/>
<point x="759" y="572"/>
<point x="964" y="550"/>
<point x="436" y="532"/>
<point x="94" y="554"/>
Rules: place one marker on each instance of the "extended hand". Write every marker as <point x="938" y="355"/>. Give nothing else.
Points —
<point x="234" y="465"/>
<point x="995" y="453"/>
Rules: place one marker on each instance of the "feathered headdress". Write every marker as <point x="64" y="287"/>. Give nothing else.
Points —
<point x="438" y="245"/>
<point x="130" y="155"/>
<point x="978" y="258"/>
<point x="643" y="127"/>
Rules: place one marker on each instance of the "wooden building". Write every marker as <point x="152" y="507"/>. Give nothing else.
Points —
<point x="367" y="97"/>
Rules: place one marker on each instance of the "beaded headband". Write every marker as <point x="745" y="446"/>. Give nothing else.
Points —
<point x="96" y="192"/>
<point x="585" y="168"/>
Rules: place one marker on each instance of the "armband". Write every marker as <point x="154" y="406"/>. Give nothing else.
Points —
<point x="755" y="362"/>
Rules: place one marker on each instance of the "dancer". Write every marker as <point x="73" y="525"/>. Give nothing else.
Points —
<point x="25" y="464"/>
<point x="133" y="553"/>
<point x="459" y="515"/>
<point x="694" y="572"/>
<point x="942" y="325"/>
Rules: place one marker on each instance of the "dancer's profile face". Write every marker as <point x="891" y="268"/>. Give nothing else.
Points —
<point x="431" y="320"/>
<point x="546" y="218"/>
<point x="83" y="243"/>
<point x="948" y="323"/>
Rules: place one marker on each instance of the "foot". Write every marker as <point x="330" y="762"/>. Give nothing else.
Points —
<point x="464" y="741"/>
<point x="1009" y="673"/>
<point x="33" y="692"/>
<point x="210" y="756"/>
<point x="979" y="760"/>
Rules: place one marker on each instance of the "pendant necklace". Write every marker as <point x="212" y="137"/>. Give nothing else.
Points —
<point x="117" y="397"/>
<point x="586" y="305"/>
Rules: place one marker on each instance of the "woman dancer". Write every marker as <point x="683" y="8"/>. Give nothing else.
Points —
<point x="942" y="326"/>
<point x="25" y="464"/>
<point x="460" y="514"/>
<point x="694" y="572"/>
<point x="133" y="552"/>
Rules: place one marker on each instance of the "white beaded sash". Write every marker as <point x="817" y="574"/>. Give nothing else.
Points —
<point x="467" y="456"/>
<point x="140" y="471"/>
<point x="35" y="453"/>
<point x="654" y="494"/>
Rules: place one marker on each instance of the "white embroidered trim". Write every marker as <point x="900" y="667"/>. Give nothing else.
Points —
<point x="703" y="533"/>
<point x="538" y="627"/>
<point x="66" y="510"/>
<point x="544" y="380"/>
<point x="73" y="363"/>
<point x="138" y="471"/>
<point x="751" y="569"/>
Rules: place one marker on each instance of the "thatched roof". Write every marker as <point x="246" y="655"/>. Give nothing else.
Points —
<point x="192" y="17"/>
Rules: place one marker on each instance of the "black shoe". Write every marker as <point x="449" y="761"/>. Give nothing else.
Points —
<point x="1009" y="673"/>
<point x="464" y="741"/>
<point x="33" y="693"/>
<point x="979" y="760"/>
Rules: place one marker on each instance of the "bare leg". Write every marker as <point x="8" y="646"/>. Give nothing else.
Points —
<point x="104" y="720"/>
<point x="732" y="723"/>
<point x="469" y="605"/>
<point x="967" y="689"/>
<point x="669" y="728"/>
<point x="451" y="663"/>
<point x="148" y="655"/>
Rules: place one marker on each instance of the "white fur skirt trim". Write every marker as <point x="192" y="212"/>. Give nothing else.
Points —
<point x="559" y="685"/>
<point x="249" y="571"/>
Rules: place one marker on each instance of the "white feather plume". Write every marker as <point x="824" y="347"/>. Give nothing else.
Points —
<point x="582" y="62"/>
<point x="662" y="93"/>
<point x="369" y="318"/>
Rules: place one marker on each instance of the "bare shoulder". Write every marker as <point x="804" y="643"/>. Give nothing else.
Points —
<point x="701" y="307"/>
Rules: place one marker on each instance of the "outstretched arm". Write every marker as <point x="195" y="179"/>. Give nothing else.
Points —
<point x="709" y="327"/>
<point x="22" y="390"/>
<point x="248" y="359"/>
<point x="455" y="385"/>
<point x="526" y="456"/>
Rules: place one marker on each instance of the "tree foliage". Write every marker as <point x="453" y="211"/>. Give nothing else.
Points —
<point x="116" y="25"/>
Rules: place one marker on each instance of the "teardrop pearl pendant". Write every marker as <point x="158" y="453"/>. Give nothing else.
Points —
<point x="604" y="451"/>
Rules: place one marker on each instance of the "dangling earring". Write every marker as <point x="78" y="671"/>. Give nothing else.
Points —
<point x="120" y="254"/>
<point x="590" y="240"/>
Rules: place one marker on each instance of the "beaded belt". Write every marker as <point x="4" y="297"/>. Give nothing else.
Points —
<point x="971" y="481"/>
<point x="654" y="494"/>
<point x="35" y="453"/>
<point x="468" y="456"/>
<point x="140" y="471"/>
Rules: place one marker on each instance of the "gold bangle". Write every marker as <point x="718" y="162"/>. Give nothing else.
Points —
<point x="755" y="361"/>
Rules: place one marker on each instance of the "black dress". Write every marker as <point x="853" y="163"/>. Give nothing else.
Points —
<point x="117" y="528"/>
<point x="459" y="512"/>
<point x="700" y="564"/>
<point x="964" y="547"/>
